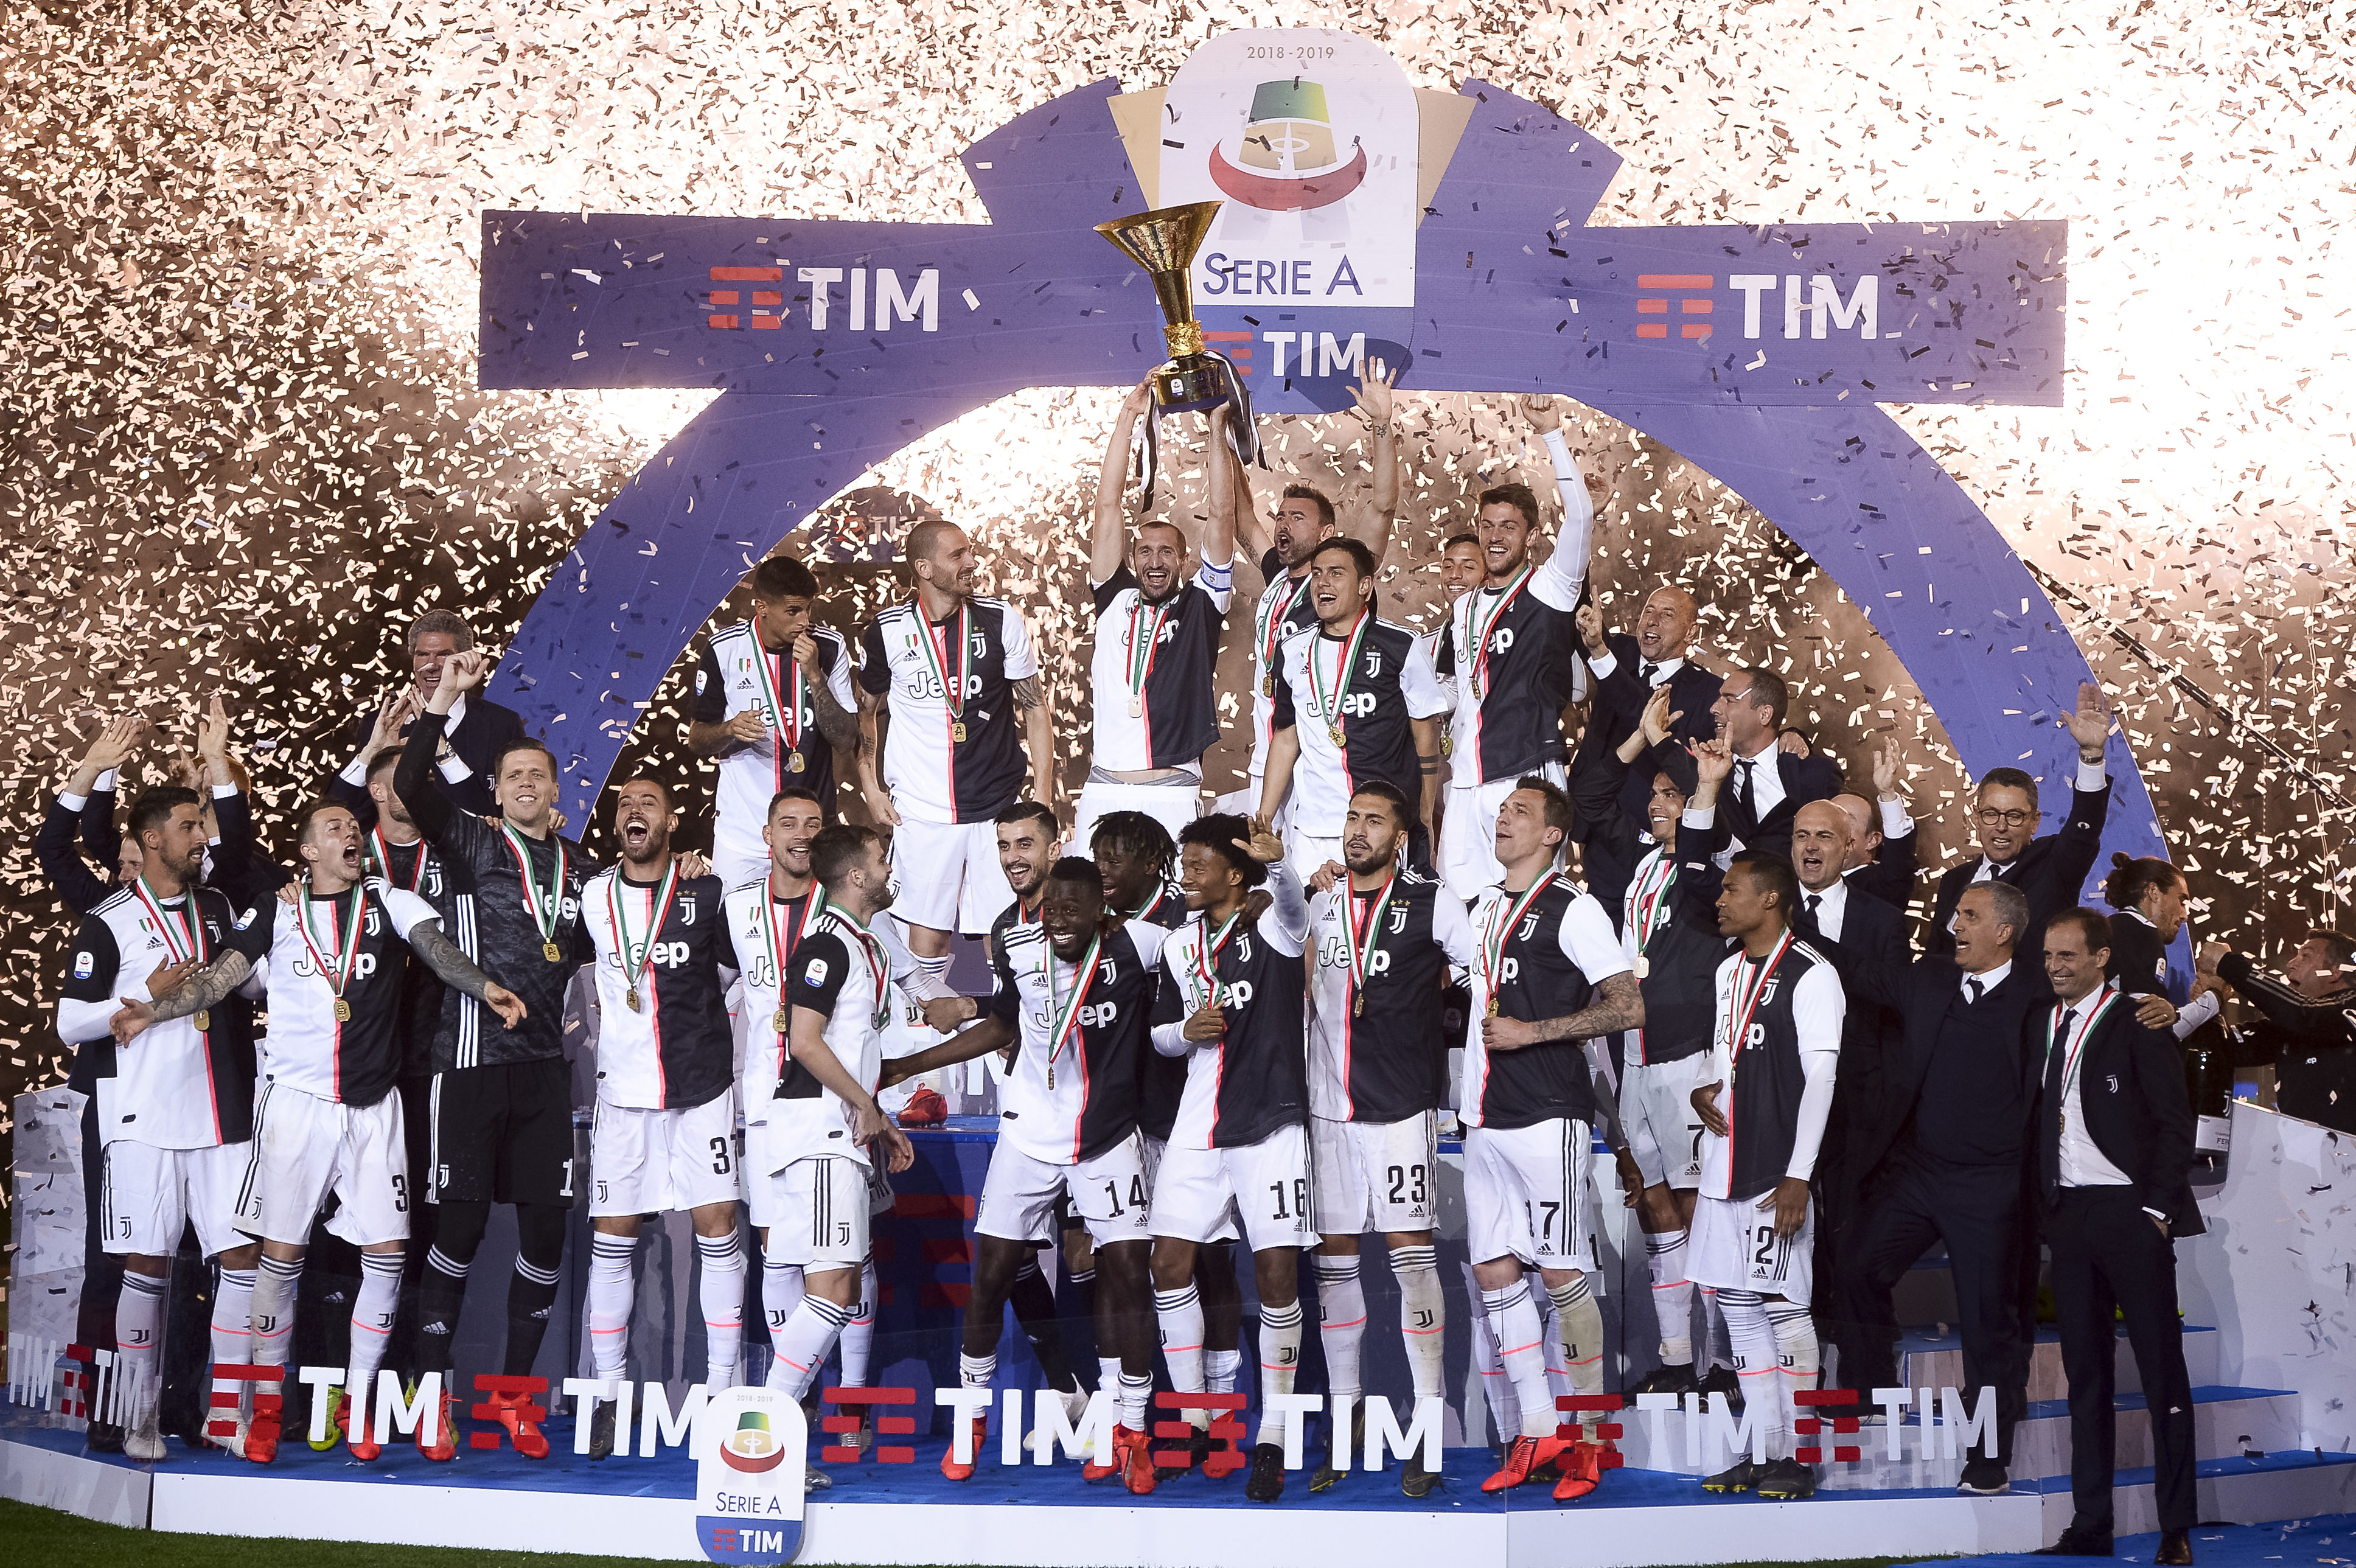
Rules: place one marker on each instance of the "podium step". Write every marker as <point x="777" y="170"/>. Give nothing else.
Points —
<point x="1932" y="1356"/>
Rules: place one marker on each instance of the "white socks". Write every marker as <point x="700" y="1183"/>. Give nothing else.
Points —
<point x="1180" y="1315"/>
<point x="1279" y="1362"/>
<point x="977" y="1371"/>
<point x="1581" y="1321"/>
<point x="1521" y="1346"/>
<point x="1755" y="1361"/>
<point x="720" y="1283"/>
<point x="232" y="1334"/>
<point x="372" y="1313"/>
<point x="1135" y="1394"/>
<point x="1341" y="1321"/>
<point x="273" y="1311"/>
<point x="1673" y="1295"/>
<point x="1220" y="1371"/>
<point x="1505" y="1410"/>
<point x="1423" y="1317"/>
<point x="781" y="1297"/>
<point x="611" y="1288"/>
<point x="803" y="1343"/>
<point x="858" y="1334"/>
<point x="1795" y="1351"/>
<point x="138" y="1336"/>
<point x="1721" y="1349"/>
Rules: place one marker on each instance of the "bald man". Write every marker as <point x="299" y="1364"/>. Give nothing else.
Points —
<point x="1834" y="909"/>
<point x="1626" y="670"/>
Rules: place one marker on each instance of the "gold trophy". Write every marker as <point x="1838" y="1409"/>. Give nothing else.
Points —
<point x="1163" y="243"/>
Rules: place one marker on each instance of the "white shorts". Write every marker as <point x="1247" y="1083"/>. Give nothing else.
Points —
<point x="305" y="1147"/>
<point x="150" y="1196"/>
<point x="946" y="876"/>
<point x="736" y="867"/>
<point x="1468" y="832"/>
<point x="1262" y="1189"/>
<point x="818" y="1212"/>
<point x="1305" y="853"/>
<point x="1245" y="802"/>
<point x="1150" y="1150"/>
<point x="1108" y="1192"/>
<point x="1172" y="805"/>
<point x="1664" y="1128"/>
<point x="1375" y="1175"/>
<point x="659" y="1162"/>
<point x="1526" y="1194"/>
<point x="1733" y="1246"/>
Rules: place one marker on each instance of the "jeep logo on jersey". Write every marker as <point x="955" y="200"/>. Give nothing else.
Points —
<point x="1238" y="993"/>
<point x="1501" y="640"/>
<point x="1509" y="969"/>
<point x="363" y="965"/>
<point x="1098" y="1014"/>
<point x="664" y="955"/>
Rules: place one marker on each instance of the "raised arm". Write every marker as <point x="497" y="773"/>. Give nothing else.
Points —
<point x="1220" y="533"/>
<point x="413" y="777"/>
<point x="1374" y="400"/>
<point x="1560" y="578"/>
<point x="1111" y="521"/>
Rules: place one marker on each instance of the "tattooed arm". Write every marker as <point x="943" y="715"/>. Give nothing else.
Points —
<point x="202" y="988"/>
<point x="1039" y="734"/>
<point x="1617" y="1006"/>
<point x="458" y="971"/>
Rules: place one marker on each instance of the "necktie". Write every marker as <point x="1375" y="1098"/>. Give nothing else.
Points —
<point x="1972" y="989"/>
<point x="2054" y="1067"/>
<point x="1647" y="671"/>
<point x="1813" y="902"/>
<point x="1742" y="781"/>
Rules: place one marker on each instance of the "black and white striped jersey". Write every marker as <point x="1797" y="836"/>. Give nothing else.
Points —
<point x="950" y="760"/>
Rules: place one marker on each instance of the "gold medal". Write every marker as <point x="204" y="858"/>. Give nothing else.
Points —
<point x="1051" y="1077"/>
<point x="1358" y="1008"/>
<point x="957" y="732"/>
<point x="778" y="1023"/>
<point x="794" y="764"/>
<point x="203" y="1021"/>
<point x="555" y="954"/>
<point x="1136" y="707"/>
<point x="343" y="1011"/>
<point x="1268" y="685"/>
<point x="1448" y="746"/>
<point x="1493" y="1007"/>
<point x="1334" y="734"/>
<point x="631" y="996"/>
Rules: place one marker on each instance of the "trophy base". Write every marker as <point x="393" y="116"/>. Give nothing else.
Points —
<point x="1190" y="385"/>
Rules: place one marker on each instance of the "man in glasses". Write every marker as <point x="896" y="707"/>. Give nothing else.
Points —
<point x="2049" y="871"/>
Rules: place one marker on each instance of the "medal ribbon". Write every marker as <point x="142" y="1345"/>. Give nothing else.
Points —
<point x="786" y="717"/>
<point x="658" y="899"/>
<point x="1273" y="621"/>
<point x="868" y="948"/>
<point x="383" y="853"/>
<point x="1206" y="955"/>
<point x="1141" y="655"/>
<point x="546" y="922"/>
<point x="1746" y="1001"/>
<point x="1066" y="1014"/>
<point x="1363" y="938"/>
<point x="179" y="932"/>
<point x="1494" y="937"/>
<point x="2074" y="1048"/>
<point x="1480" y="660"/>
<point x="938" y="657"/>
<point x="343" y="936"/>
<point x="1648" y="896"/>
<point x="1344" y="670"/>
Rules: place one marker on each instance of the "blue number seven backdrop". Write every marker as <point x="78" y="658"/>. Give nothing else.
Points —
<point x="1758" y="354"/>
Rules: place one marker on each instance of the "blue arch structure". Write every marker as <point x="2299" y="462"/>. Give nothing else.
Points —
<point x="1515" y="294"/>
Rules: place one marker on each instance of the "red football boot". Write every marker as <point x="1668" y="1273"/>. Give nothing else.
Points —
<point x="949" y="1466"/>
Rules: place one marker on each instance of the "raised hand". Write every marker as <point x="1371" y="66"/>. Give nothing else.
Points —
<point x="1263" y="845"/>
<point x="116" y="740"/>
<point x="465" y="671"/>
<point x="1793" y="741"/>
<point x="1713" y="761"/>
<point x="1657" y="718"/>
<point x="1140" y="399"/>
<point x="1373" y="393"/>
<point x="2090" y="726"/>
<point x="1590" y="622"/>
<point x="390" y="720"/>
<point x="1542" y="414"/>
<point x="1327" y="875"/>
<point x="212" y="742"/>
<point x="1885" y="771"/>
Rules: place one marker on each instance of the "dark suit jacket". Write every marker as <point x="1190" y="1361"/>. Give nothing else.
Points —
<point x="1805" y="778"/>
<point x="53" y="850"/>
<point x="2139" y="958"/>
<point x="1874" y="935"/>
<point x="2049" y="873"/>
<point x="1620" y="701"/>
<point x="1920" y="993"/>
<point x="1890" y="876"/>
<point x="488" y="730"/>
<point x="2131" y="1090"/>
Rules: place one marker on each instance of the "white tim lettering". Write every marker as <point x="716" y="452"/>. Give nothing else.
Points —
<point x="1750" y="285"/>
<point x="1283" y="341"/>
<point x="658" y="1422"/>
<point x="819" y="278"/>
<point x="1792" y="305"/>
<point x="1748" y="1430"/>
<point x="1863" y="310"/>
<point x="1332" y="356"/>
<point x="1422" y="1432"/>
<point x="925" y="302"/>
<point x="859" y="299"/>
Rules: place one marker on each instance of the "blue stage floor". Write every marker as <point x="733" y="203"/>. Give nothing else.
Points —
<point x="2330" y="1539"/>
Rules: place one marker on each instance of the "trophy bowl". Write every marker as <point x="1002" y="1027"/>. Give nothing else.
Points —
<point x="1163" y="243"/>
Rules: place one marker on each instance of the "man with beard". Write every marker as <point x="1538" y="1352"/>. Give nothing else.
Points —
<point x="1508" y="648"/>
<point x="325" y="1119"/>
<point x="956" y="674"/>
<point x="1384" y="940"/>
<point x="1231" y="1004"/>
<point x="2308" y="1028"/>
<point x="1157" y="643"/>
<point x="1630" y="670"/>
<point x="826" y="1122"/>
<point x="1074" y="991"/>
<point x="1305" y="519"/>
<point x="1665" y="902"/>
<point x="774" y="705"/>
<point x="665" y="1134"/>
<point x="475" y="730"/>
<point x="502" y="1098"/>
<point x="1368" y="710"/>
